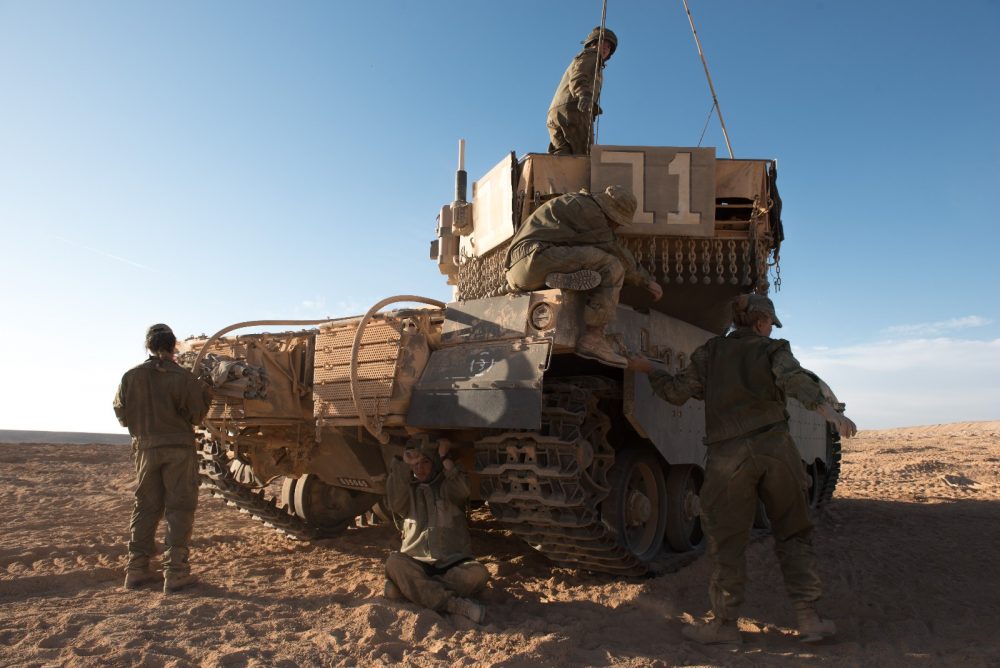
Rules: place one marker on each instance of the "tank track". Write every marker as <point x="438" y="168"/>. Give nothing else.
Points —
<point x="241" y="489"/>
<point x="832" y="476"/>
<point x="547" y="486"/>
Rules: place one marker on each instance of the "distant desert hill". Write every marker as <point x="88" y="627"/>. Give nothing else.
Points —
<point x="62" y="437"/>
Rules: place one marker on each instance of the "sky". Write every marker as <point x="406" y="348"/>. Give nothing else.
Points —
<point x="206" y="163"/>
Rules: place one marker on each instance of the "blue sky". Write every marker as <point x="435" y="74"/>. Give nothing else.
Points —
<point x="204" y="163"/>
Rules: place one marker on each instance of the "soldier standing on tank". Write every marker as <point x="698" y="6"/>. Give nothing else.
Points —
<point x="434" y="567"/>
<point x="159" y="402"/>
<point x="575" y="104"/>
<point x="744" y="378"/>
<point x="569" y="242"/>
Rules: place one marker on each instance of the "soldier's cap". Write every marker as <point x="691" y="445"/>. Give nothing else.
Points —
<point x="158" y="328"/>
<point x="618" y="203"/>
<point x="758" y="304"/>
<point x="595" y="35"/>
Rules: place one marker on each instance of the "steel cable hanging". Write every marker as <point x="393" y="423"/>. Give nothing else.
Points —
<point x="592" y="123"/>
<point x="708" y="76"/>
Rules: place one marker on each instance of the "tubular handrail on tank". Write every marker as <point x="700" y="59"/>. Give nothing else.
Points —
<point x="376" y="429"/>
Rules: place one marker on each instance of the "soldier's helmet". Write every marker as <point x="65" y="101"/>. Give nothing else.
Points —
<point x="758" y="304"/>
<point x="595" y="35"/>
<point x="618" y="203"/>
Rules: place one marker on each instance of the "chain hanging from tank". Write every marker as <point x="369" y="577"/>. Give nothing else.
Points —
<point x="679" y="261"/>
<point x="733" y="269"/>
<point x="706" y="261"/>
<point x="719" y="265"/>
<point x="665" y="260"/>
<point x="692" y="263"/>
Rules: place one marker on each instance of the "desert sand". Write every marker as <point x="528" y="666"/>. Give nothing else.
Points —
<point x="908" y="556"/>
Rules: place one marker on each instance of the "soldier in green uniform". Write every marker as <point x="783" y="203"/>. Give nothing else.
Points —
<point x="434" y="566"/>
<point x="569" y="242"/>
<point x="159" y="402"/>
<point x="744" y="379"/>
<point x="575" y="104"/>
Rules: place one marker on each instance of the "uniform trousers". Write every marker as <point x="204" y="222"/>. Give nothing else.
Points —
<point x="529" y="273"/>
<point x="430" y="586"/>
<point x="168" y="489"/>
<point x="738" y="472"/>
<point x="570" y="131"/>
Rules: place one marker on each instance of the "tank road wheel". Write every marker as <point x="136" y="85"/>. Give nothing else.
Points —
<point x="817" y="474"/>
<point x="636" y="508"/>
<point x="683" y="510"/>
<point x="327" y="507"/>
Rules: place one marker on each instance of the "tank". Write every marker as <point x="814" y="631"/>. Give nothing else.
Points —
<point x="578" y="459"/>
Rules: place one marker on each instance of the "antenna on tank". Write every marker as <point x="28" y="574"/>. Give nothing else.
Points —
<point x="461" y="178"/>
<point x="461" y="210"/>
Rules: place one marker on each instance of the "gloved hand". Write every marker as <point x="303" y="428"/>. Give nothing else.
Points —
<point x="844" y="425"/>
<point x="640" y="364"/>
<point x="585" y="104"/>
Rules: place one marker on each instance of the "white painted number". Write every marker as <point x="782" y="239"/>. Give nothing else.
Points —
<point x="680" y="167"/>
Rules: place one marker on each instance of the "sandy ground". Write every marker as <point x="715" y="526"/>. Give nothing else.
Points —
<point x="909" y="561"/>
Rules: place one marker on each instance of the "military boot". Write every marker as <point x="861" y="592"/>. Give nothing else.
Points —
<point x="714" y="632"/>
<point x="813" y="628"/>
<point x="584" y="279"/>
<point x="174" y="581"/>
<point x="593" y="345"/>
<point x="466" y="607"/>
<point x="136" y="577"/>
<point x="392" y="592"/>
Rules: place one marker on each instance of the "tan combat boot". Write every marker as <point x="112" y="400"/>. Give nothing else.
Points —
<point x="714" y="632"/>
<point x="392" y="591"/>
<point x="466" y="607"/>
<point x="173" y="581"/>
<point x="136" y="577"/>
<point x="593" y="345"/>
<point x="585" y="279"/>
<point x="813" y="628"/>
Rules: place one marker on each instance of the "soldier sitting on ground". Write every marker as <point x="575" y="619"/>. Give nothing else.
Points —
<point x="569" y="242"/>
<point x="574" y="106"/>
<point x="434" y="567"/>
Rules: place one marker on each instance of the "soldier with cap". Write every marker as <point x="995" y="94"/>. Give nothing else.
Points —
<point x="744" y="379"/>
<point x="575" y="104"/>
<point x="434" y="566"/>
<point x="160" y="402"/>
<point x="569" y="242"/>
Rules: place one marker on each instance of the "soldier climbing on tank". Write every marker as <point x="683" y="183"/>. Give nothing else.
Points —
<point x="575" y="104"/>
<point x="160" y="402"/>
<point x="434" y="567"/>
<point x="744" y="378"/>
<point x="569" y="242"/>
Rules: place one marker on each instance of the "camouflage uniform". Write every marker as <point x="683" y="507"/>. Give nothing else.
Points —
<point x="566" y="234"/>
<point x="435" y="561"/>
<point x="159" y="402"/>
<point x="570" y="129"/>
<point x="744" y="379"/>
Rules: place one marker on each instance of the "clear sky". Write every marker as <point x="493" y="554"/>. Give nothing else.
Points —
<point x="205" y="163"/>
